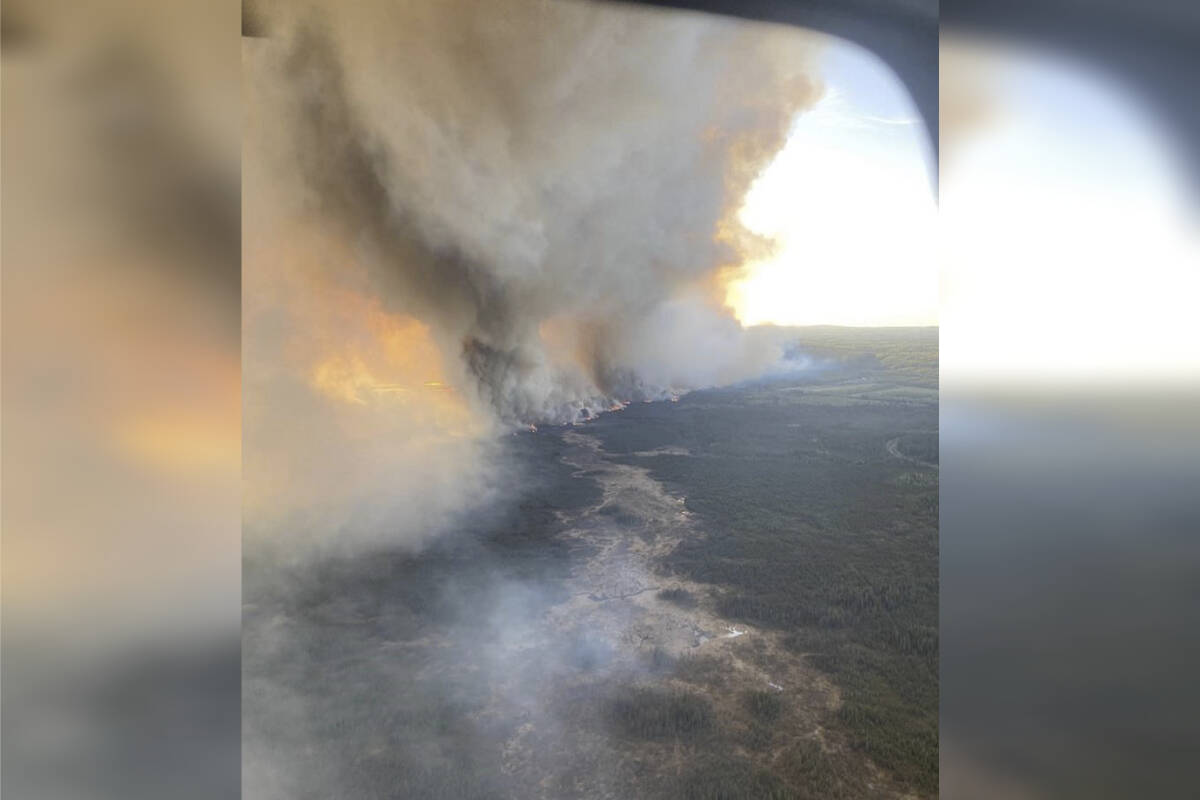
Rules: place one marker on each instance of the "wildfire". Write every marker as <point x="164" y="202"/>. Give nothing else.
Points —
<point x="363" y="357"/>
<point x="391" y="367"/>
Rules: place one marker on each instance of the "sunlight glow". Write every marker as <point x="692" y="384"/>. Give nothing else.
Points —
<point x="849" y="204"/>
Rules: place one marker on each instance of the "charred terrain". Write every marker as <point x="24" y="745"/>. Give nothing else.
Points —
<point x="729" y="596"/>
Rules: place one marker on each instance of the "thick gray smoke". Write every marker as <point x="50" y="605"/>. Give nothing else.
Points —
<point x="460" y="216"/>
<point x="550" y="186"/>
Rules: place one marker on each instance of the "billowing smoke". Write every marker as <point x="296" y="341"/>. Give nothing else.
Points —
<point x="540" y="197"/>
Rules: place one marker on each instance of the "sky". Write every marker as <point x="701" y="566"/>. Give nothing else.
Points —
<point x="850" y="204"/>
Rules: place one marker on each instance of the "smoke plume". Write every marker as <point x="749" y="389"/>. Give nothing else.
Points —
<point x="463" y="216"/>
